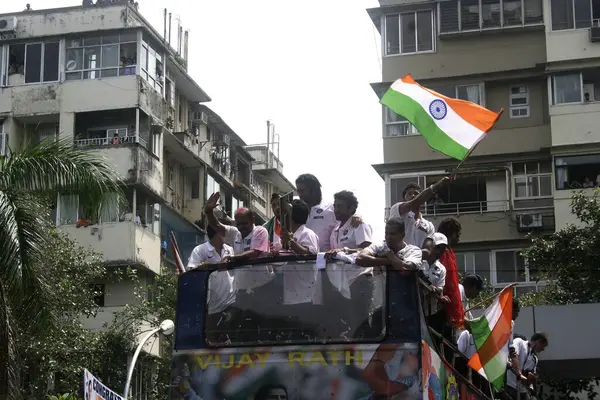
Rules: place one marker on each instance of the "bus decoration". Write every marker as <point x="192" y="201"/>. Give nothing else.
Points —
<point x="280" y="328"/>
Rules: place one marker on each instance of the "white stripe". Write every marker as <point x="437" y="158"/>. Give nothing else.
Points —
<point x="452" y="124"/>
<point x="493" y="313"/>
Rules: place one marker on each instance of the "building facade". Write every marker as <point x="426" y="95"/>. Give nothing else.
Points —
<point x="103" y="77"/>
<point x="537" y="60"/>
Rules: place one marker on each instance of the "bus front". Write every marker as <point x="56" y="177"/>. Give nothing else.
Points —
<point x="285" y="328"/>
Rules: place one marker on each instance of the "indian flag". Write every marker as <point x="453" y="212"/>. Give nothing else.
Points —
<point x="491" y="334"/>
<point x="451" y="126"/>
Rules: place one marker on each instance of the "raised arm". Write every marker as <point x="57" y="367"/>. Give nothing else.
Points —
<point x="209" y="208"/>
<point x="422" y="197"/>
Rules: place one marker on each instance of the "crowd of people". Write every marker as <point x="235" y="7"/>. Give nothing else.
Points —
<point x="334" y="231"/>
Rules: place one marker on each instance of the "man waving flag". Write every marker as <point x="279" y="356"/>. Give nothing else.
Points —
<point x="450" y="126"/>
<point x="491" y="334"/>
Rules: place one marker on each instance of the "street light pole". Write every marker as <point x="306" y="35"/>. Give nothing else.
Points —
<point x="166" y="328"/>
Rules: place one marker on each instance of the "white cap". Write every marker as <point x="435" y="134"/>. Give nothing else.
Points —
<point x="439" y="239"/>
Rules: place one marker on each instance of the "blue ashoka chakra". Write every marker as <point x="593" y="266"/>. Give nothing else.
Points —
<point x="438" y="109"/>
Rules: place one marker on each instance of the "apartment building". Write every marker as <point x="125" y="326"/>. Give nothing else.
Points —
<point x="102" y="76"/>
<point x="537" y="60"/>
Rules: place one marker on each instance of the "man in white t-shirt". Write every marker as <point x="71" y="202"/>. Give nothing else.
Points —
<point x="345" y="236"/>
<point x="393" y="251"/>
<point x="221" y="293"/>
<point x="526" y="367"/>
<point x="322" y="216"/>
<point x="303" y="240"/>
<point x="409" y="210"/>
<point x="248" y="240"/>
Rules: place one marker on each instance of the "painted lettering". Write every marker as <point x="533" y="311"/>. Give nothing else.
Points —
<point x="317" y="358"/>
<point x="334" y="354"/>
<point x="358" y="356"/>
<point x="296" y="357"/>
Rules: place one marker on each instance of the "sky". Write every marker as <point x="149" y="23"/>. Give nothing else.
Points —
<point x="306" y="66"/>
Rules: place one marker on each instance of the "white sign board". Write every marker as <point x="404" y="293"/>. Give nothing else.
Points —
<point x="93" y="389"/>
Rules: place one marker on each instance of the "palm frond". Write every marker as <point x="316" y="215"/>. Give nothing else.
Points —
<point x="23" y="223"/>
<point x="9" y="374"/>
<point x="57" y="166"/>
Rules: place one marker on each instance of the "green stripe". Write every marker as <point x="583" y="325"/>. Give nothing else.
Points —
<point x="425" y="124"/>
<point x="495" y="368"/>
<point x="480" y="329"/>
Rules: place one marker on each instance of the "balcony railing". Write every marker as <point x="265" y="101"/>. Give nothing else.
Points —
<point x="95" y="142"/>
<point x="468" y="207"/>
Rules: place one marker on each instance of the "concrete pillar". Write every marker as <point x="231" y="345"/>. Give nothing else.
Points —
<point x="16" y="134"/>
<point x="67" y="125"/>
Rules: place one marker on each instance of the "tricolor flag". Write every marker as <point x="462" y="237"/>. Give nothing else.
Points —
<point x="491" y="334"/>
<point x="450" y="126"/>
<point x="273" y="226"/>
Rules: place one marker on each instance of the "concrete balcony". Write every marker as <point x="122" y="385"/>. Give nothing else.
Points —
<point x="574" y="124"/>
<point x="120" y="243"/>
<point x="408" y="149"/>
<point x="571" y="44"/>
<point x="269" y="167"/>
<point x="487" y="221"/>
<point x="562" y="207"/>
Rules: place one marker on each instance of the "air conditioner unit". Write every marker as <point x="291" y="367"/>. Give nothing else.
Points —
<point x="8" y="25"/>
<point x="529" y="222"/>
<point x="222" y="139"/>
<point x="199" y="117"/>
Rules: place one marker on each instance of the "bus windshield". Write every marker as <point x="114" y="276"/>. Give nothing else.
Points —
<point x="292" y="302"/>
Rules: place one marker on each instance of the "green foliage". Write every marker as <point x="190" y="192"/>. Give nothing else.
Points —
<point x="65" y="396"/>
<point x="59" y="348"/>
<point x="29" y="181"/>
<point x="155" y="302"/>
<point x="569" y="260"/>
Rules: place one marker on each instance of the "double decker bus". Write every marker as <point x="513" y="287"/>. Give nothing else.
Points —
<point x="294" y="328"/>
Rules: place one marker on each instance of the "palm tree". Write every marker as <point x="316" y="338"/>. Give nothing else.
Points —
<point x="30" y="182"/>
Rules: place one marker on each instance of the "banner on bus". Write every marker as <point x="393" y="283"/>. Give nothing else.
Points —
<point x="93" y="389"/>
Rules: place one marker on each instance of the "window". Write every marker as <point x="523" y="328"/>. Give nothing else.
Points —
<point x="71" y="210"/>
<point x="360" y="318"/>
<point x="408" y="33"/>
<point x="577" y="172"/>
<point x="211" y="186"/>
<point x="170" y="92"/>
<point x="397" y="185"/>
<point x="576" y="87"/>
<point x="474" y="15"/>
<point x="95" y="57"/>
<point x="511" y="267"/>
<point x="474" y="263"/>
<point x="396" y="125"/>
<point x="109" y="211"/>
<point x="152" y="66"/>
<point x="33" y="63"/>
<point x="571" y="14"/>
<point x="567" y="88"/>
<point x="99" y="293"/>
<point x="519" y="102"/>
<point x="156" y="144"/>
<point x="472" y="93"/>
<point x="170" y="177"/>
<point x="532" y="179"/>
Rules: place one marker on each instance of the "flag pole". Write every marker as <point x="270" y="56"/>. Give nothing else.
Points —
<point x="460" y="164"/>
<point x="487" y="299"/>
